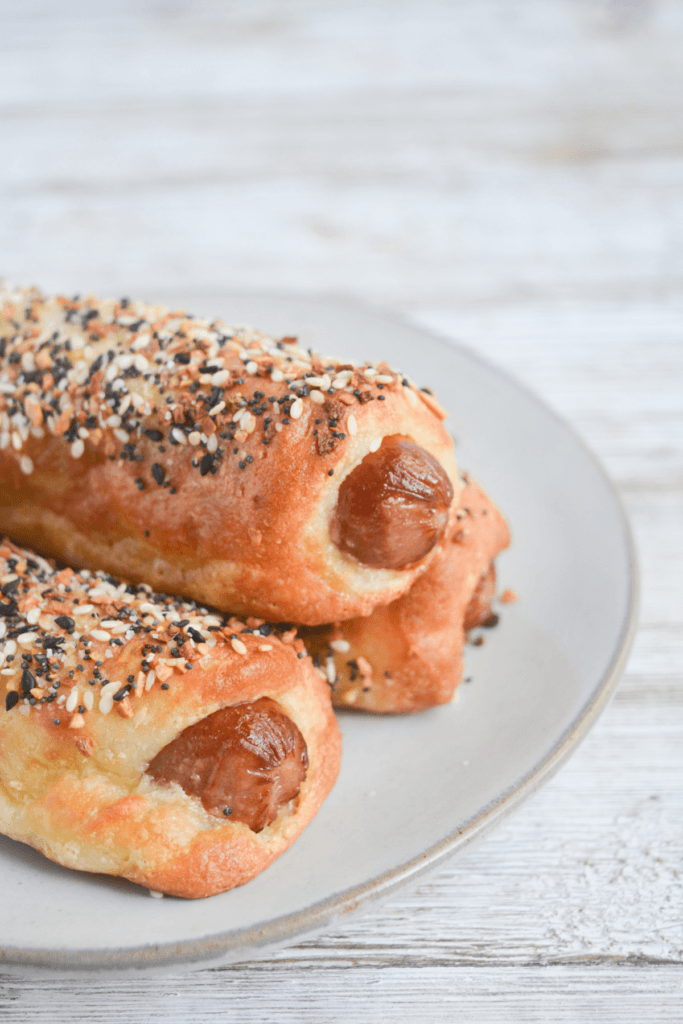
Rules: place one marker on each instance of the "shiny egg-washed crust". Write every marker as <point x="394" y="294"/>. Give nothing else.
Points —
<point x="203" y="459"/>
<point x="407" y="655"/>
<point x="72" y="777"/>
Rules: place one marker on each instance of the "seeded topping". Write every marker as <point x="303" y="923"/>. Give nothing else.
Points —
<point x="131" y="383"/>
<point x="96" y="644"/>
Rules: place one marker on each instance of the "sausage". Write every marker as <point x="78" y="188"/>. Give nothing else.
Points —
<point x="244" y="762"/>
<point x="393" y="507"/>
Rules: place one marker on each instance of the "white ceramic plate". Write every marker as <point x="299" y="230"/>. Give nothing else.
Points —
<point x="412" y="790"/>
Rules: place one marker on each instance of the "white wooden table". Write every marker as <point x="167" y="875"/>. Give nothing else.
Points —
<point x="509" y="172"/>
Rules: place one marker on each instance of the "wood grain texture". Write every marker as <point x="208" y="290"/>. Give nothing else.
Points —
<point x="511" y="175"/>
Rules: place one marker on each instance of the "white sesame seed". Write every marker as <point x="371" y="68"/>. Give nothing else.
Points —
<point x="352" y="425"/>
<point x="88" y="700"/>
<point x="315" y="382"/>
<point x="17" y="443"/>
<point x="77" y="449"/>
<point x="82" y="609"/>
<point x="71" y="700"/>
<point x="212" y="443"/>
<point x="238" y="646"/>
<point x="339" y="382"/>
<point x="220" y="378"/>
<point x="276" y="376"/>
<point x="141" y="363"/>
<point x="252" y="367"/>
<point x="151" y="676"/>
<point x="341" y="646"/>
<point x="100" y="634"/>
<point x="296" y="409"/>
<point x="106" y="703"/>
<point x="410" y="395"/>
<point x="383" y="378"/>
<point x="278" y="427"/>
<point x="140" y="342"/>
<point x="147" y="608"/>
<point x="214" y="410"/>
<point x="26" y="639"/>
<point x="331" y="670"/>
<point x="178" y="435"/>
<point x="109" y="689"/>
<point x="33" y="616"/>
<point x="156" y="895"/>
<point x="194" y="438"/>
<point x="121" y="435"/>
<point x="317" y="397"/>
<point x="375" y="445"/>
<point x="84" y="433"/>
<point x="249" y="423"/>
<point x="265" y="647"/>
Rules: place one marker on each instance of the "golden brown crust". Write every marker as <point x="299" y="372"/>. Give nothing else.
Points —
<point x="74" y="743"/>
<point x="407" y="655"/>
<point x="203" y="459"/>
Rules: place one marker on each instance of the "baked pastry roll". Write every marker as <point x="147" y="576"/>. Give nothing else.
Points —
<point x="216" y="462"/>
<point x="145" y="737"/>
<point x="407" y="655"/>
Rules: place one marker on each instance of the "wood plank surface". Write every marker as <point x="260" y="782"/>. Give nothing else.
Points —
<point x="508" y="173"/>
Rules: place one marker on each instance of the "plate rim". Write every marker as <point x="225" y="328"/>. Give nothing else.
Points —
<point x="234" y="945"/>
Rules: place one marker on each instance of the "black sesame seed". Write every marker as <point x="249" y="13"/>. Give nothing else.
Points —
<point x="227" y="811"/>
<point x="164" y="686"/>
<point x="55" y="721"/>
<point x="158" y="473"/>
<point x="331" y="473"/>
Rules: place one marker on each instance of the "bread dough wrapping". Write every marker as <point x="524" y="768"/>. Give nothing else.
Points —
<point x="202" y="459"/>
<point x="407" y="655"/>
<point x="105" y="688"/>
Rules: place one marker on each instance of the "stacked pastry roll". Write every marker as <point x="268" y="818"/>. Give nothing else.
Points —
<point x="277" y="489"/>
